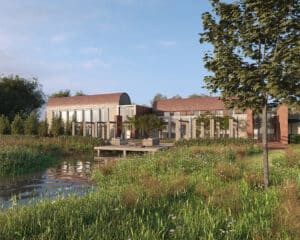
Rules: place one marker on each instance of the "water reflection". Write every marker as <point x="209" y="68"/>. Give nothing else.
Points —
<point x="69" y="177"/>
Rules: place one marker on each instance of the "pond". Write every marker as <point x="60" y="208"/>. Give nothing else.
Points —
<point x="68" y="177"/>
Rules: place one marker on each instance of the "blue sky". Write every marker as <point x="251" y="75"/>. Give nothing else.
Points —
<point x="142" y="47"/>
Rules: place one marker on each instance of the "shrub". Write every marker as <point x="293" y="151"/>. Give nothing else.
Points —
<point x="203" y="190"/>
<point x="129" y="197"/>
<point x="254" y="180"/>
<point x="228" y="197"/>
<point x="31" y="125"/>
<point x="152" y="187"/>
<point x="57" y="127"/>
<point x="294" y="138"/>
<point x="108" y="168"/>
<point x="17" y="126"/>
<point x="43" y="128"/>
<point x="68" y="128"/>
<point x="4" y="125"/>
<point x="177" y="185"/>
<point x="228" y="171"/>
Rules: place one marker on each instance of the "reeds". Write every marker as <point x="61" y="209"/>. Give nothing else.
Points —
<point x="176" y="194"/>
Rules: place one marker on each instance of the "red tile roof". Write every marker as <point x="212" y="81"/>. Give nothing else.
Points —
<point x="189" y="104"/>
<point x="111" y="98"/>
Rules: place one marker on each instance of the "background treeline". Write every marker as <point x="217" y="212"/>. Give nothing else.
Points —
<point x="33" y="126"/>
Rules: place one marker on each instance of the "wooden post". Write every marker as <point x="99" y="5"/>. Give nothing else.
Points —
<point x="212" y="128"/>
<point x="84" y="129"/>
<point x="218" y="129"/>
<point x="107" y="130"/>
<point x="124" y="153"/>
<point x="177" y="130"/>
<point x="231" y="128"/>
<point x="73" y="128"/>
<point x="169" y="127"/>
<point x="194" y="128"/>
<point x="202" y="133"/>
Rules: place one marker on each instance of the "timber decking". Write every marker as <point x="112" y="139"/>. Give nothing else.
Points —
<point x="128" y="148"/>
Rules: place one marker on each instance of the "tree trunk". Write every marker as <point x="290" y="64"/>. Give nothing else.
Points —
<point x="265" y="145"/>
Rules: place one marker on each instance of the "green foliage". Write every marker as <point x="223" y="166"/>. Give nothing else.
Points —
<point x="256" y="51"/>
<point x="148" y="124"/>
<point x="4" y="125"/>
<point x="31" y="125"/>
<point x="19" y="96"/>
<point x="61" y="93"/>
<point x="158" y="97"/>
<point x="220" y="141"/>
<point x="294" y="138"/>
<point x="57" y="127"/>
<point x="255" y="58"/>
<point x="17" y="126"/>
<point x="16" y="160"/>
<point x="43" y="128"/>
<point x="80" y="93"/>
<point x="68" y="128"/>
<point x="195" y="95"/>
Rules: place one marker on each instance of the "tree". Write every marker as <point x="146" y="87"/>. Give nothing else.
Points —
<point x="80" y="93"/>
<point x="147" y="124"/>
<point x="256" y="58"/>
<point x="20" y="95"/>
<point x="31" y="125"/>
<point x="17" y="125"/>
<point x="158" y="97"/>
<point x="57" y="127"/>
<point x="4" y="125"/>
<point x="195" y="95"/>
<point x="177" y="96"/>
<point x="61" y="93"/>
<point x="43" y="128"/>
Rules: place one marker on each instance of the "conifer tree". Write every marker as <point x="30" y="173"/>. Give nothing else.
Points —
<point x="4" y="125"/>
<point x="17" y="125"/>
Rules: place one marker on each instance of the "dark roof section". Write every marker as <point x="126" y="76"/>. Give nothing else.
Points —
<point x="110" y="98"/>
<point x="189" y="104"/>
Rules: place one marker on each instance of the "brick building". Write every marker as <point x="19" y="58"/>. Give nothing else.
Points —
<point x="102" y="115"/>
<point x="105" y="116"/>
<point x="181" y="117"/>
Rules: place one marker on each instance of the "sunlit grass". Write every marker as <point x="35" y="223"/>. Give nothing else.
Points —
<point x="182" y="193"/>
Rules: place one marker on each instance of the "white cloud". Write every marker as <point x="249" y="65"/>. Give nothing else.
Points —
<point x="167" y="43"/>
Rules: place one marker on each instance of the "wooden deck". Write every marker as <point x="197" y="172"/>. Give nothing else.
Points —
<point x="128" y="148"/>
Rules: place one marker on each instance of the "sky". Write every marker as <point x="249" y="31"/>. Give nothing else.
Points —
<point x="141" y="47"/>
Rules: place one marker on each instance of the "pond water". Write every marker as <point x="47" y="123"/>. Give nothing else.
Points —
<point x="68" y="177"/>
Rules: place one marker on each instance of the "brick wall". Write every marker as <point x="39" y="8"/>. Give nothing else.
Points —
<point x="282" y="113"/>
<point x="250" y="132"/>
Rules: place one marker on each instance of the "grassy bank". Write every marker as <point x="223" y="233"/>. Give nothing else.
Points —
<point x="24" y="154"/>
<point x="195" y="192"/>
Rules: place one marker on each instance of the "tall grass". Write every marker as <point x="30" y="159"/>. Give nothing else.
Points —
<point x="66" y="144"/>
<point x="176" y="194"/>
<point x="21" y="160"/>
<point x="23" y="154"/>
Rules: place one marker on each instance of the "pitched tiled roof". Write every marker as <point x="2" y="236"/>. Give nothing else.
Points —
<point x="189" y="104"/>
<point x="111" y="98"/>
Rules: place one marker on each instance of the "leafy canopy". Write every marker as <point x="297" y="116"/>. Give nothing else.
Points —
<point x="20" y="96"/>
<point x="256" y="46"/>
